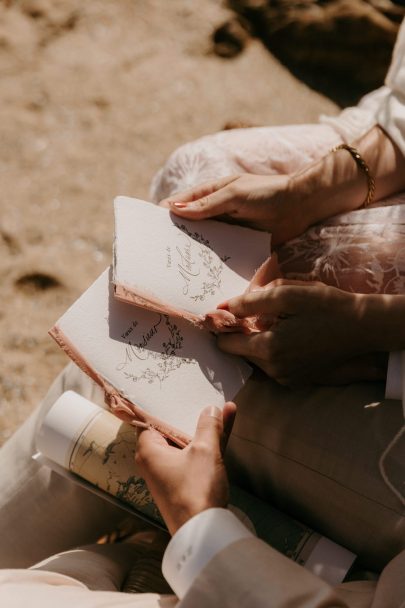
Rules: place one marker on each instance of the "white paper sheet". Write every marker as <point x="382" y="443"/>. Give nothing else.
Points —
<point x="189" y="266"/>
<point x="166" y="366"/>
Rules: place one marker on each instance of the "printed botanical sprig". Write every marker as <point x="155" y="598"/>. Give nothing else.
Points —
<point x="214" y="272"/>
<point x="210" y="287"/>
<point x="167" y="360"/>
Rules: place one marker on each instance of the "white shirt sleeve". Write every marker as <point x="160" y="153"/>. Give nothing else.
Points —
<point x="391" y="115"/>
<point x="196" y="543"/>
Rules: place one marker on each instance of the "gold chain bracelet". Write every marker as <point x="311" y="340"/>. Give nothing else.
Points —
<point x="363" y="166"/>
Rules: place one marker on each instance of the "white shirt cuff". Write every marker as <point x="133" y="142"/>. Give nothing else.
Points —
<point x="196" y="543"/>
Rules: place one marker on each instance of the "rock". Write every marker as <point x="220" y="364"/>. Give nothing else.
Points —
<point x="230" y="38"/>
<point x="58" y="14"/>
<point x="341" y="44"/>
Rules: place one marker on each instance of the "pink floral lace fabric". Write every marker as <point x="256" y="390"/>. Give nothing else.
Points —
<point x="362" y="251"/>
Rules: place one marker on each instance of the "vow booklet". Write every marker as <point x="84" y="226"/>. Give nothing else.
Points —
<point x="179" y="267"/>
<point x="138" y="330"/>
<point x="155" y="369"/>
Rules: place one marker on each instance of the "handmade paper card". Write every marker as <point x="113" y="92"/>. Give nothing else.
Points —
<point x="155" y="369"/>
<point x="185" y="268"/>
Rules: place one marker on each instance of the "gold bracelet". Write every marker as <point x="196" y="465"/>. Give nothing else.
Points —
<point x="363" y="166"/>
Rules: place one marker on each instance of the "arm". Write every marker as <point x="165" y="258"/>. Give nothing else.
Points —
<point x="335" y="184"/>
<point x="287" y="205"/>
<point x="249" y="573"/>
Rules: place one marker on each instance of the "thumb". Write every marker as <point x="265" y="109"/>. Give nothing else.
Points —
<point x="266" y="273"/>
<point x="209" y="427"/>
<point x="149" y="443"/>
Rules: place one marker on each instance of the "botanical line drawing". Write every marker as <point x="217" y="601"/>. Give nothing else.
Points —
<point x="167" y="360"/>
<point x="214" y="271"/>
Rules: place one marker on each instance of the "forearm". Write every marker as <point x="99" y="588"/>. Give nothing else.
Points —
<point x="335" y="184"/>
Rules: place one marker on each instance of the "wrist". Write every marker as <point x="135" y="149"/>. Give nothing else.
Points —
<point x="181" y="513"/>
<point x="196" y="543"/>
<point x="330" y="186"/>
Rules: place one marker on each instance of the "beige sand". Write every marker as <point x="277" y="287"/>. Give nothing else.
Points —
<point x="94" y="96"/>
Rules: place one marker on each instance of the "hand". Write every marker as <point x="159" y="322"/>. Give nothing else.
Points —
<point x="186" y="482"/>
<point x="311" y="333"/>
<point x="258" y="201"/>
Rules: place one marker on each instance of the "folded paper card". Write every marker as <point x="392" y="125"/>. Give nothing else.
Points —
<point x="155" y="369"/>
<point x="183" y="268"/>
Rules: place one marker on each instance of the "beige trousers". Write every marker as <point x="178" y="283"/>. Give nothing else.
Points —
<point x="314" y="453"/>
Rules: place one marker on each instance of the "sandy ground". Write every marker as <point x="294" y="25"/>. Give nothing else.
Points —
<point x="94" y="96"/>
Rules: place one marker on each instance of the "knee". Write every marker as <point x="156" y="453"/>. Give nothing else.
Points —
<point x="189" y="165"/>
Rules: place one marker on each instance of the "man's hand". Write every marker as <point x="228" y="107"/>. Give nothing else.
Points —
<point x="263" y="202"/>
<point x="186" y="482"/>
<point x="311" y="333"/>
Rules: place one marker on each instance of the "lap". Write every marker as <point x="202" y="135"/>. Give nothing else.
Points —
<point x="312" y="452"/>
<point x="42" y="513"/>
<point x="315" y="453"/>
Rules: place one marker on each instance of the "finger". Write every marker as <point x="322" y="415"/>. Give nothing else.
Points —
<point x="197" y="192"/>
<point x="250" y="346"/>
<point x="228" y="418"/>
<point x="269" y="300"/>
<point x="149" y="446"/>
<point x="279" y="282"/>
<point x="265" y="321"/>
<point x="209" y="428"/>
<point x="269" y="271"/>
<point x="211" y="205"/>
<point x="220" y="203"/>
<point x="266" y="367"/>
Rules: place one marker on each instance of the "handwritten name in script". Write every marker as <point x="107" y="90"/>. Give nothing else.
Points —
<point x="186" y="266"/>
<point x="138" y="350"/>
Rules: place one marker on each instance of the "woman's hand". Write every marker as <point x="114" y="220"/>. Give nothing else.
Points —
<point x="286" y="205"/>
<point x="186" y="482"/>
<point x="311" y="333"/>
<point x="258" y="201"/>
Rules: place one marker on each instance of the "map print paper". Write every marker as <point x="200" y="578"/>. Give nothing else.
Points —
<point x="104" y="455"/>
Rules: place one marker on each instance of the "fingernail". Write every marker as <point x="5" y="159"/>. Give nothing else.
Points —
<point x="179" y="205"/>
<point x="212" y="410"/>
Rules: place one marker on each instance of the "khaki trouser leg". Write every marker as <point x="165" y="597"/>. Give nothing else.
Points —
<point x="315" y="454"/>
